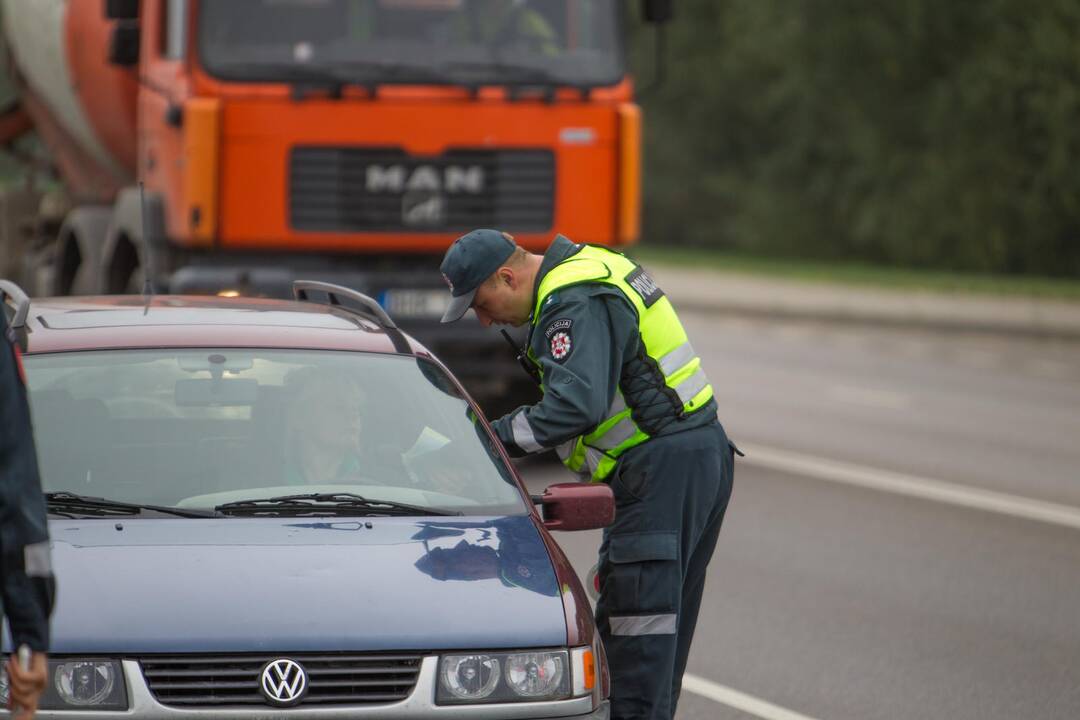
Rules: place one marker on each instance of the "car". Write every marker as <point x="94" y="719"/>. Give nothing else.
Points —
<point x="270" y="508"/>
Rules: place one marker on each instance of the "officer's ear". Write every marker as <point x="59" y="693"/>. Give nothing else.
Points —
<point x="505" y="276"/>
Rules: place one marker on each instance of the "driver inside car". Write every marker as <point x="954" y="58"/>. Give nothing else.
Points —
<point x="322" y="445"/>
<point x="327" y="443"/>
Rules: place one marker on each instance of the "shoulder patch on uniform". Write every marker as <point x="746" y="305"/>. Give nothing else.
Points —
<point x="644" y="285"/>
<point x="558" y="335"/>
<point x="560" y="324"/>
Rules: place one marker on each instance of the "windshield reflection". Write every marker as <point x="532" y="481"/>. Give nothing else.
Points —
<point x="508" y="549"/>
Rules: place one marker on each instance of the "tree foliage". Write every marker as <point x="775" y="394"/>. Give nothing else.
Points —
<point x="905" y="132"/>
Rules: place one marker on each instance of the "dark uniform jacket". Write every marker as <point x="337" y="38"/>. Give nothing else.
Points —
<point x="26" y="581"/>
<point x="588" y="345"/>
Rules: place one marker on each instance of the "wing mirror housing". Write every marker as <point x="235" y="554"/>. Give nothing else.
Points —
<point x="577" y="506"/>
<point x="657" y="11"/>
<point x="124" y="43"/>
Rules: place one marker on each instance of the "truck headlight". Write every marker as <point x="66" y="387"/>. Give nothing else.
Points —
<point x="521" y="676"/>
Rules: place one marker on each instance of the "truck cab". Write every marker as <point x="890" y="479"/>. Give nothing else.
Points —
<point x="346" y="140"/>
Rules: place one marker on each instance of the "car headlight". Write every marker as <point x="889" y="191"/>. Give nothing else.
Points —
<point x="469" y="677"/>
<point x="536" y="674"/>
<point x="79" y="684"/>
<point x="520" y="676"/>
<point x="89" y="684"/>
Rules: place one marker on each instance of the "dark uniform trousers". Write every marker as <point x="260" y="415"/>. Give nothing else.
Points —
<point x="26" y="581"/>
<point x="670" y="495"/>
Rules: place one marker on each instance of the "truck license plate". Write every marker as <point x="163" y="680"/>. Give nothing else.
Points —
<point x="415" y="303"/>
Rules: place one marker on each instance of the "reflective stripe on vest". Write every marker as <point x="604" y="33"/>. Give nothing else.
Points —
<point x="677" y="358"/>
<point x="663" y="338"/>
<point x="524" y="437"/>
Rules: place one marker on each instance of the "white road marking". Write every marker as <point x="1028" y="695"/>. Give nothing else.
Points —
<point x="738" y="700"/>
<point x="911" y="485"/>
<point x="871" y="397"/>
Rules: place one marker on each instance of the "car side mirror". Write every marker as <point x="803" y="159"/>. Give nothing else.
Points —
<point x="577" y="506"/>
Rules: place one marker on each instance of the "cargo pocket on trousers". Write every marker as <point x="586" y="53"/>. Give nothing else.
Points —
<point x="645" y="583"/>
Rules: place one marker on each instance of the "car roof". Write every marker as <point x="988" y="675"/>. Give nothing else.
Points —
<point x="130" y="321"/>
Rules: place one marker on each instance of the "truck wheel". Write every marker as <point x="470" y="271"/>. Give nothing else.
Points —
<point x="124" y="272"/>
<point x="123" y="255"/>
<point x="78" y="251"/>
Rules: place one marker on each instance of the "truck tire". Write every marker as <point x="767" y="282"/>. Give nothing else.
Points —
<point x="79" y="247"/>
<point x="123" y="258"/>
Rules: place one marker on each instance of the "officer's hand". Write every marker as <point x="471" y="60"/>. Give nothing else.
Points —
<point x="26" y="686"/>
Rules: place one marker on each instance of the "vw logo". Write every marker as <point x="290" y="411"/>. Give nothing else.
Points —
<point x="284" y="682"/>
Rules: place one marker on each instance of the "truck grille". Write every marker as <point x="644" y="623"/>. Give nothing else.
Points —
<point x="344" y="189"/>
<point x="236" y="679"/>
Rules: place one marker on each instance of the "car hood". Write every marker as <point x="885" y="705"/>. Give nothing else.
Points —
<point x="302" y="584"/>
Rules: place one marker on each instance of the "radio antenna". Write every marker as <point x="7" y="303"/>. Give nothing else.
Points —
<point x="148" y="255"/>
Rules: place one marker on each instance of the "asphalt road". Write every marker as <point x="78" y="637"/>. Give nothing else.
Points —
<point x="829" y="599"/>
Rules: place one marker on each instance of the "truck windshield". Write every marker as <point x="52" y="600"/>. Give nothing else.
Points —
<point x="196" y="429"/>
<point x="530" y="42"/>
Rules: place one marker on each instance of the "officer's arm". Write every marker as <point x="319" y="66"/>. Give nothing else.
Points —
<point x="26" y="582"/>
<point x="580" y="360"/>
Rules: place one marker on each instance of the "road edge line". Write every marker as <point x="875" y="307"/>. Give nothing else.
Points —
<point x="738" y="700"/>
<point x="912" y="486"/>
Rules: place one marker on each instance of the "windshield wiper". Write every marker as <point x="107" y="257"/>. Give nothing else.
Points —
<point x="381" y="71"/>
<point x="64" y="501"/>
<point x="362" y="73"/>
<point x="289" y="72"/>
<point x="511" y="73"/>
<point x="325" y="502"/>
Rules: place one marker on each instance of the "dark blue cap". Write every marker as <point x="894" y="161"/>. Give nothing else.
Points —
<point x="471" y="260"/>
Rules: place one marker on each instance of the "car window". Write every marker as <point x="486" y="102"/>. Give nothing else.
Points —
<point x="201" y="427"/>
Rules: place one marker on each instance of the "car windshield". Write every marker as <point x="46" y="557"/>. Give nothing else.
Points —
<point x="199" y="428"/>
<point x="431" y="41"/>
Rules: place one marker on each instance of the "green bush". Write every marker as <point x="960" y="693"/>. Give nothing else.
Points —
<point x="902" y="132"/>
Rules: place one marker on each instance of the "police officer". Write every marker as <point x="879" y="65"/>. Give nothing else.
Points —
<point x="625" y="401"/>
<point x="26" y="581"/>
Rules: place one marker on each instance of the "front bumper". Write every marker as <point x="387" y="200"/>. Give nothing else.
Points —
<point x="420" y="704"/>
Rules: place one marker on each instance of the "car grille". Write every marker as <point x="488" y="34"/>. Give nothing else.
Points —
<point x="236" y="679"/>
<point x="346" y="189"/>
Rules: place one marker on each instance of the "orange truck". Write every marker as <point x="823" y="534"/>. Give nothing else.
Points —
<point x="341" y="140"/>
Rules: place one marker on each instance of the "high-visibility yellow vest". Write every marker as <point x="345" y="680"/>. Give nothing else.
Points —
<point x="595" y="453"/>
